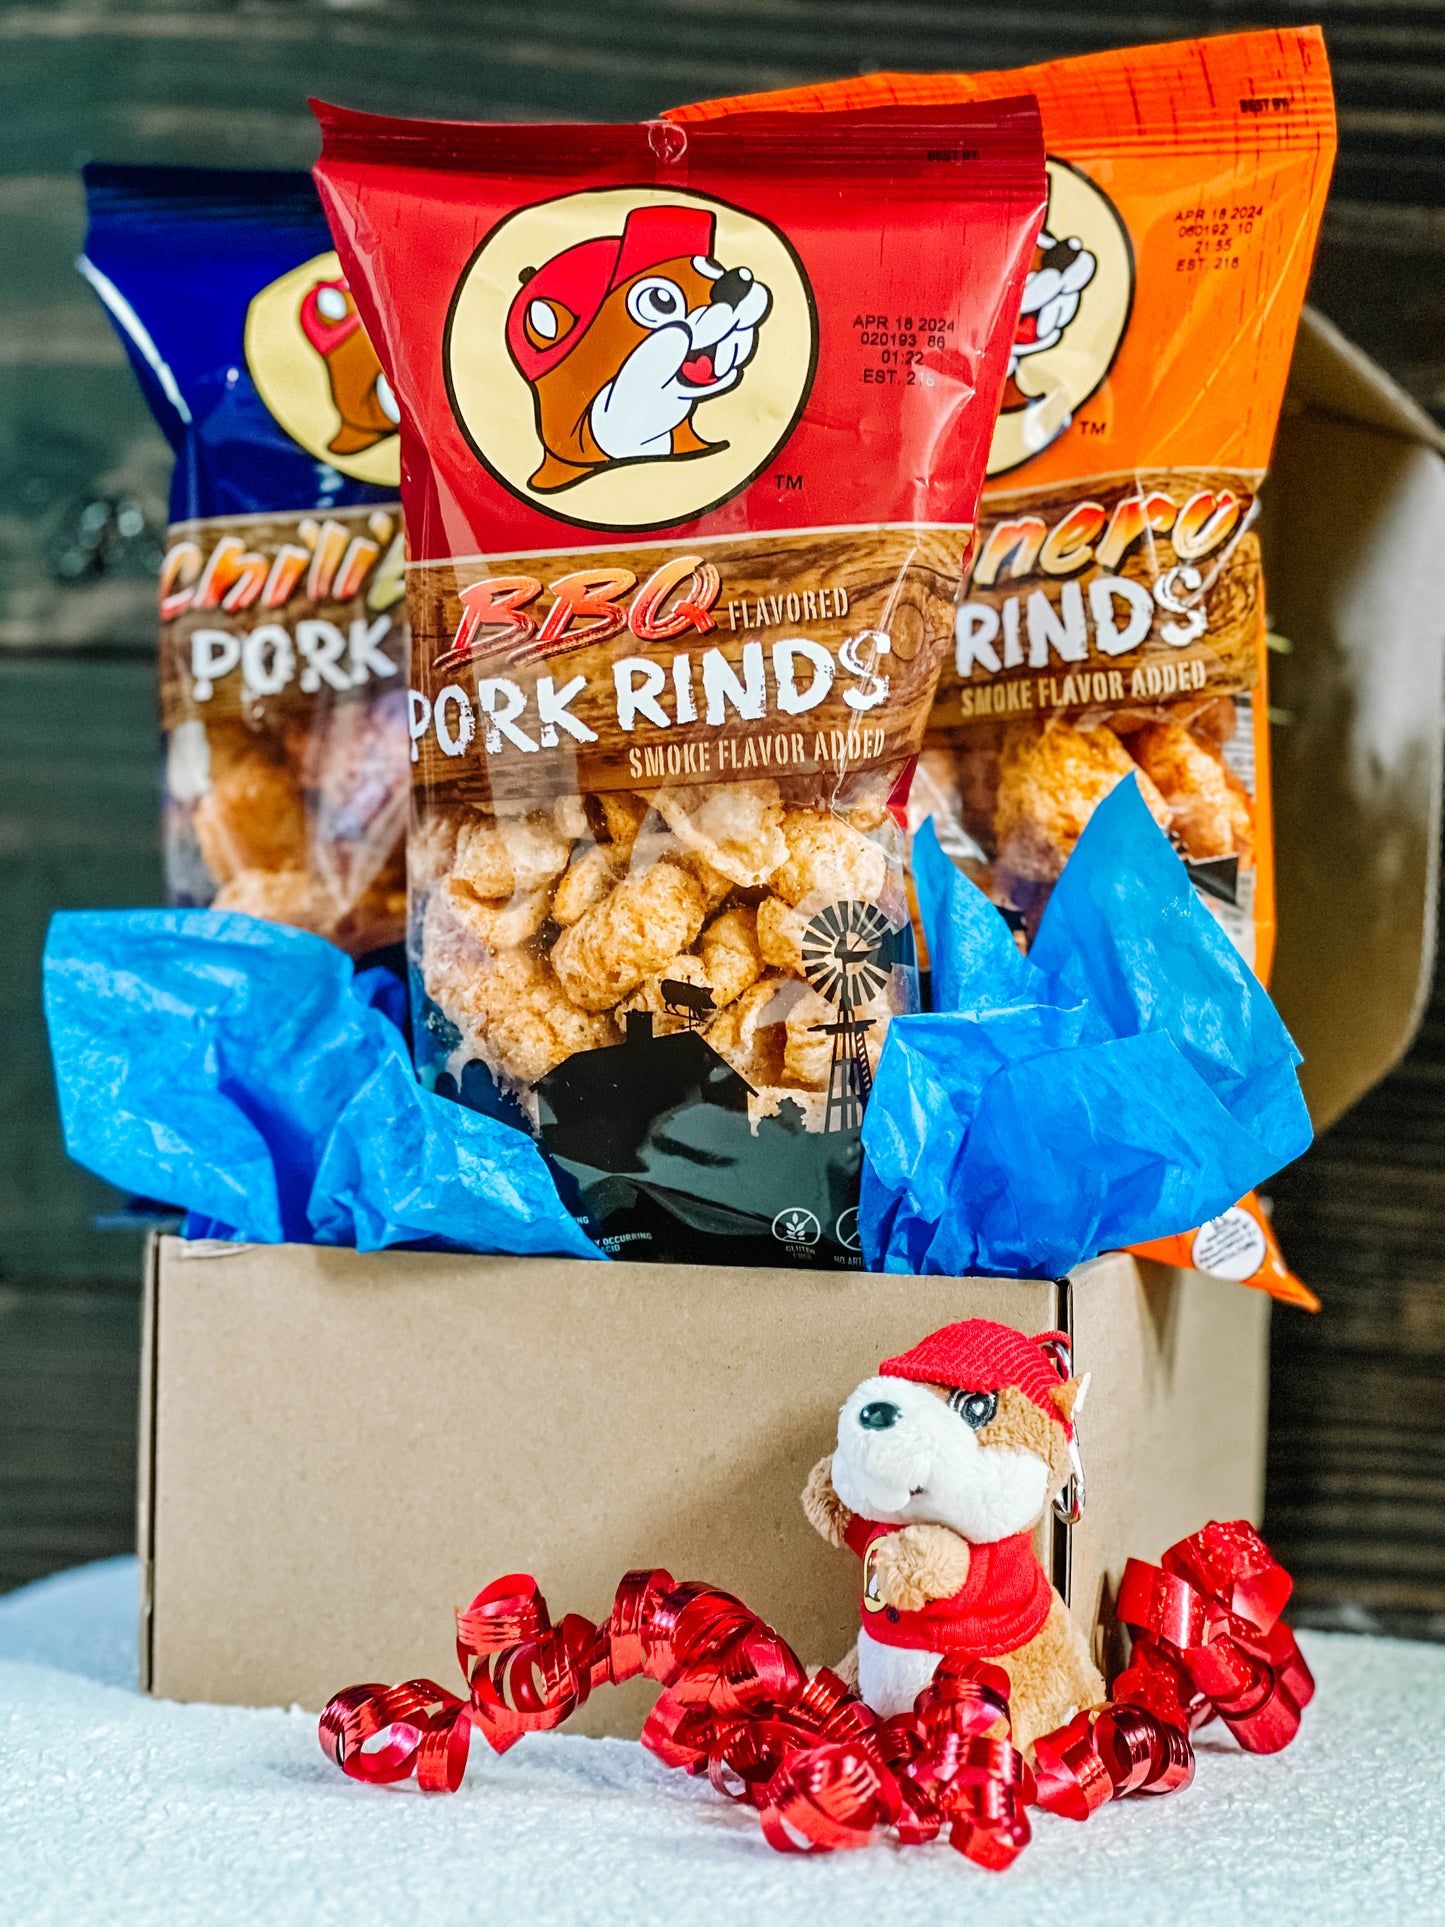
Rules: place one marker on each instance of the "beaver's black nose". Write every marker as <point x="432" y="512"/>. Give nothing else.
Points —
<point x="732" y="286"/>
<point x="1062" y="254"/>
<point x="878" y="1416"/>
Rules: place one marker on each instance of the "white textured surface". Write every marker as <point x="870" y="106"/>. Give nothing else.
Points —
<point x="118" y="1808"/>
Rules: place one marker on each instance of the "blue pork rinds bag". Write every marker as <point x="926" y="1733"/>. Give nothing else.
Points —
<point x="1128" y="1080"/>
<point x="237" y="1068"/>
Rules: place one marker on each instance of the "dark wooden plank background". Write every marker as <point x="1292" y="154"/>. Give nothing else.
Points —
<point x="1359" y="1392"/>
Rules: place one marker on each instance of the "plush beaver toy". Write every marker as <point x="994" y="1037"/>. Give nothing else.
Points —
<point x="945" y="1463"/>
<point x="621" y="337"/>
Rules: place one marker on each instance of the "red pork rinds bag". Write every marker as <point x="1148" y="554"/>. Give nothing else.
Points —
<point x="686" y="533"/>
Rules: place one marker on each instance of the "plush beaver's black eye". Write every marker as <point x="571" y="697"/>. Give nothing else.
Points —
<point x="976" y="1409"/>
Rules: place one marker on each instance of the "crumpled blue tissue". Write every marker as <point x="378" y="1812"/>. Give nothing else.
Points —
<point x="1127" y="1080"/>
<point x="241" y="1070"/>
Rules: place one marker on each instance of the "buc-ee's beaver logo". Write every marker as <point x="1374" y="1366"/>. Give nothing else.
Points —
<point x="1077" y="297"/>
<point x="630" y="358"/>
<point x="315" y="369"/>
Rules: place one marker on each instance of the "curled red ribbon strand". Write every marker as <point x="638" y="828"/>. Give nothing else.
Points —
<point x="821" y="1770"/>
<point x="1208" y="1638"/>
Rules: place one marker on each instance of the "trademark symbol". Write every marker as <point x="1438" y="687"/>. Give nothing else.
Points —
<point x="1087" y="427"/>
<point x="788" y="481"/>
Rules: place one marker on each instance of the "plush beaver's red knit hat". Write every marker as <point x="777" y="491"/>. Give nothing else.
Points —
<point x="980" y="1356"/>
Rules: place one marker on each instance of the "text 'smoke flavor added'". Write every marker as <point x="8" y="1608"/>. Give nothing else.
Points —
<point x="693" y="429"/>
<point x="283" y="646"/>
<point x="1113" y="618"/>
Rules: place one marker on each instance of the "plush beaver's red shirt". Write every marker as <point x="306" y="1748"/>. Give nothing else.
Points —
<point x="1000" y="1606"/>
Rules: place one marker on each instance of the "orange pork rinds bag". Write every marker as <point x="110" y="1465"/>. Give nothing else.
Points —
<point x="1113" y="618"/>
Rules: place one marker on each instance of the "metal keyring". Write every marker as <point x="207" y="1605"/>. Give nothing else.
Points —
<point x="1068" y="1506"/>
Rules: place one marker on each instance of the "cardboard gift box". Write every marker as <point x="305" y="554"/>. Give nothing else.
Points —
<point x="337" y="1450"/>
<point x="341" y="1449"/>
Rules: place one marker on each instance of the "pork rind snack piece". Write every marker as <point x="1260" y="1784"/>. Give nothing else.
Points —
<point x="589" y="878"/>
<point x="283" y="649"/>
<point x="730" y="956"/>
<point x="1010" y="809"/>
<point x="508" y="1007"/>
<point x="736" y="830"/>
<point x="251" y="818"/>
<point x="648" y="917"/>
<point x="1051" y="779"/>
<point x="1210" y="813"/>
<point x="826" y="861"/>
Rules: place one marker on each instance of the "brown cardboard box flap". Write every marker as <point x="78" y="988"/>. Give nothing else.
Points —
<point x="1333" y="380"/>
<point x="1353" y="533"/>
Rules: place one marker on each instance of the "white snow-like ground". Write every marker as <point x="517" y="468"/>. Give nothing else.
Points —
<point x="117" y="1808"/>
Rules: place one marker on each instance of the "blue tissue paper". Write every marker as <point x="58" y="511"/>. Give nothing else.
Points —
<point x="239" y="1069"/>
<point x="1127" y="1080"/>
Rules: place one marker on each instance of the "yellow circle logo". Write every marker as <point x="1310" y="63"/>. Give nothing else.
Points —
<point x="1075" y="308"/>
<point x="317" y="372"/>
<point x="632" y="357"/>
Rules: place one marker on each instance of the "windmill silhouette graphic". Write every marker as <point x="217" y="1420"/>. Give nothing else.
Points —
<point x="841" y="949"/>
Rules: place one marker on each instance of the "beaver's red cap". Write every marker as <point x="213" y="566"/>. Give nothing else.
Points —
<point x="581" y="278"/>
<point x="323" y="333"/>
<point x="980" y="1356"/>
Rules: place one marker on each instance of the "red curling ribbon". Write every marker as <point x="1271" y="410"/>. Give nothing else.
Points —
<point x="986" y="1800"/>
<point x="823" y="1773"/>
<point x="1142" y="1754"/>
<point x="1071" y="1776"/>
<point x="382" y="1734"/>
<point x="630" y="1611"/>
<point x="1208" y="1639"/>
<point x="830" y="1797"/>
<point x="1110" y="1753"/>
<point x="1232" y="1564"/>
